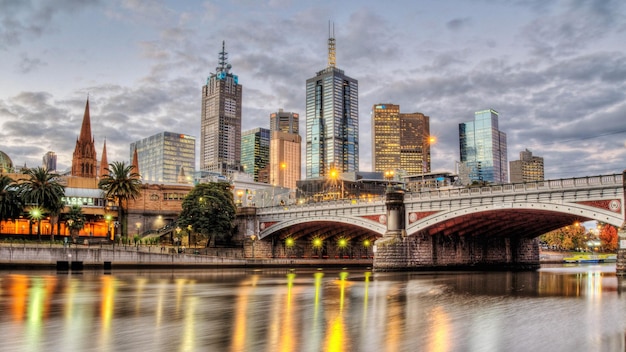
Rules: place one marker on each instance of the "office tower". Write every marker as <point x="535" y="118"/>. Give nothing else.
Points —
<point x="401" y="141"/>
<point x="527" y="168"/>
<point x="255" y="151"/>
<point x="84" y="163"/>
<point x="285" y="149"/>
<point x="160" y="157"/>
<point x="50" y="161"/>
<point x="332" y="120"/>
<point x="483" y="148"/>
<point x="220" y="144"/>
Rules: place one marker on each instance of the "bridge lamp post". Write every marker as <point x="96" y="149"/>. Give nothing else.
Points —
<point x="107" y="219"/>
<point x="389" y="176"/>
<point x="342" y="244"/>
<point x="430" y="140"/>
<point x="317" y="245"/>
<point x="366" y="244"/>
<point x="289" y="243"/>
<point x="252" y="238"/>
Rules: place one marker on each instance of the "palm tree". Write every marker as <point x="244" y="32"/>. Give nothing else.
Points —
<point x="10" y="205"/>
<point x="75" y="220"/>
<point x="43" y="190"/>
<point x="121" y="184"/>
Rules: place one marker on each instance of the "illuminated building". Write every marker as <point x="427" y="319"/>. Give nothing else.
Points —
<point x="220" y="139"/>
<point x="255" y="151"/>
<point x="528" y="168"/>
<point x="162" y="156"/>
<point x="332" y="120"/>
<point x="285" y="149"/>
<point x="483" y="149"/>
<point x="400" y="141"/>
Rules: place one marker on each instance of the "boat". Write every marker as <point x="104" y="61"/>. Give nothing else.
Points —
<point x="591" y="258"/>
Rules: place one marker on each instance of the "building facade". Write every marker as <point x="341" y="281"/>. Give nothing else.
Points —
<point x="527" y="168"/>
<point x="220" y="139"/>
<point x="50" y="161"/>
<point x="255" y="152"/>
<point x="285" y="149"/>
<point x="400" y="141"/>
<point x="483" y="149"/>
<point x="332" y="121"/>
<point x="164" y="156"/>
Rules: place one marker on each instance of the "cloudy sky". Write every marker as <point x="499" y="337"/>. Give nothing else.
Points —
<point x="555" y="70"/>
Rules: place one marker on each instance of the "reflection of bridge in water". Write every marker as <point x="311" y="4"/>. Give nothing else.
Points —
<point x="464" y="226"/>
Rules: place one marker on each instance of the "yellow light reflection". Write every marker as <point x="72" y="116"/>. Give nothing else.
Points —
<point x="188" y="342"/>
<point x="287" y="329"/>
<point x="19" y="293"/>
<point x="336" y="339"/>
<point x="440" y="330"/>
<point x="36" y="298"/>
<point x="365" y="293"/>
<point x="241" y="317"/>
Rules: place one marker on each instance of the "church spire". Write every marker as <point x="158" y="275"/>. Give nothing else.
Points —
<point x="135" y="167"/>
<point x="104" y="164"/>
<point x="84" y="158"/>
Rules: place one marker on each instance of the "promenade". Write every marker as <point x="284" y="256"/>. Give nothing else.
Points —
<point x="107" y="256"/>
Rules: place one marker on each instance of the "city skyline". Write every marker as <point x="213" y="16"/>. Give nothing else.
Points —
<point x="553" y="70"/>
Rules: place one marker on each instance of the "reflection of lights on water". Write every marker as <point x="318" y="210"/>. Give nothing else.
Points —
<point x="336" y="338"/>
<point x="107" y="308"/>
<point x="240" y="325"/>
<point x="19" y="293"/>
<point x="440" y="334"/>
<point x="188" y="342"/>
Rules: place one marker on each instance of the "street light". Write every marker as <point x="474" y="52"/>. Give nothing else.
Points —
<point x="389" y="176"/>
<point x="239" y="196"/>
<point x="36" y="214"/>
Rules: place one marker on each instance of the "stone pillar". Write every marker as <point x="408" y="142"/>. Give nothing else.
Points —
<point x="392" y="249"/>
<point x="621" y="236"/>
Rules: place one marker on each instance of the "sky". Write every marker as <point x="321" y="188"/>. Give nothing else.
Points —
<point x="554" y="70"/>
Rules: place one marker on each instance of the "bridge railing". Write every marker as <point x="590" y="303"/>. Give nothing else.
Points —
<point x="328" y="204"/>
<point x="526" y="187"/>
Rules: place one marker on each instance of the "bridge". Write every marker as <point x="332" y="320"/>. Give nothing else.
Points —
<point x="495" y="225"/>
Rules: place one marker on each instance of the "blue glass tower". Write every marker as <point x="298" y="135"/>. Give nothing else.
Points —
<point x="332" y="121"/>
<point x="483" y="148"/>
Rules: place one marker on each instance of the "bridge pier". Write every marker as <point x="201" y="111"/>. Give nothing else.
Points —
<point x="620" y="266"/>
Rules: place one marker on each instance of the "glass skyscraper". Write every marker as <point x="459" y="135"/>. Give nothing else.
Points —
<point x="483" y="149"/>
<point x="161" y="157"/>
<point x="332" y="121"/>
<point x="255" y="151"/>
<point x="220" y="145"/>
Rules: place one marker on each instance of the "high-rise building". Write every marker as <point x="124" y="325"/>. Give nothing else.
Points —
<point x="285" y="149"/>
<point x="84" y="162"/>
<point x="483" y="149"/>
<point x="255" y="151"/>
<point x="161" y="157"/>
<point x="400" y="140"/>
<point x="527" y="168"/>
<point x="332" y="120"/>
<point x="50" y="161"/>
<point x="220" y="144"/>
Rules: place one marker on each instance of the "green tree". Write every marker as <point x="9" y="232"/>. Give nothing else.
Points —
<point x="121" y="184"/>
<point x="210" y="210"/>
<point x="10" y="204"/>
<point x="75" y="220"/>
<point x="43" y="190"/>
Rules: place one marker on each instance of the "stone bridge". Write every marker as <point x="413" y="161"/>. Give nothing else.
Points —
<point x="487" y="226"/>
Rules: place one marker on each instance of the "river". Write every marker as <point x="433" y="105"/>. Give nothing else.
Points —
<point x="557" y="308"/>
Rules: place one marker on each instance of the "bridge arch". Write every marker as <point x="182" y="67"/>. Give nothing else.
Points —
<point x="519" y="219"/>
<point x="349" y="227"/>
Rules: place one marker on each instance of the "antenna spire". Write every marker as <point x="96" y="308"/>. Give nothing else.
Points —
<point x="331" y="44"/>
<point x="223" y="60"/>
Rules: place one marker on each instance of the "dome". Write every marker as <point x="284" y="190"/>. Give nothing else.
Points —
<point x="6" y="165"/>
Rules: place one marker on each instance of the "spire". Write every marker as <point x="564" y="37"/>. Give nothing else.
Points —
<point x="135" y="168"/>
<point x="84" y="158"/>
<point x="331" y="45"/>
<point x="104" y="164"/>
<point x="224" y="66"/>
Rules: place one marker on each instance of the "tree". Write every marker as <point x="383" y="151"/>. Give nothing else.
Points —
<point x="608" y="237"/>
<point x="43" y="190"/>
<point x="75" y="220"/>
<point x="210" y="210"/>
<point x="10" y="204"/>
<point x="568" y="237"/>
<point x="121" y="184"/>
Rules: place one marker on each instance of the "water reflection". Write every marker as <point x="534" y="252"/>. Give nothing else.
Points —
<point x="555" y="308"/>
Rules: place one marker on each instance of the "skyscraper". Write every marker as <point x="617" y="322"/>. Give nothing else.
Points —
<point x="332" y="120"/>
<point x="255" y="151"/>
<point x="527" y="168"/>
<point x="84" y="163"/>
<point x="400" y="141"/>
<point x="50" y="161"/>
<point x="220" y="144"/>
<point x="483" y="149"/>
<point x="285" y="149"/>
<point x="160" y="157"/>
